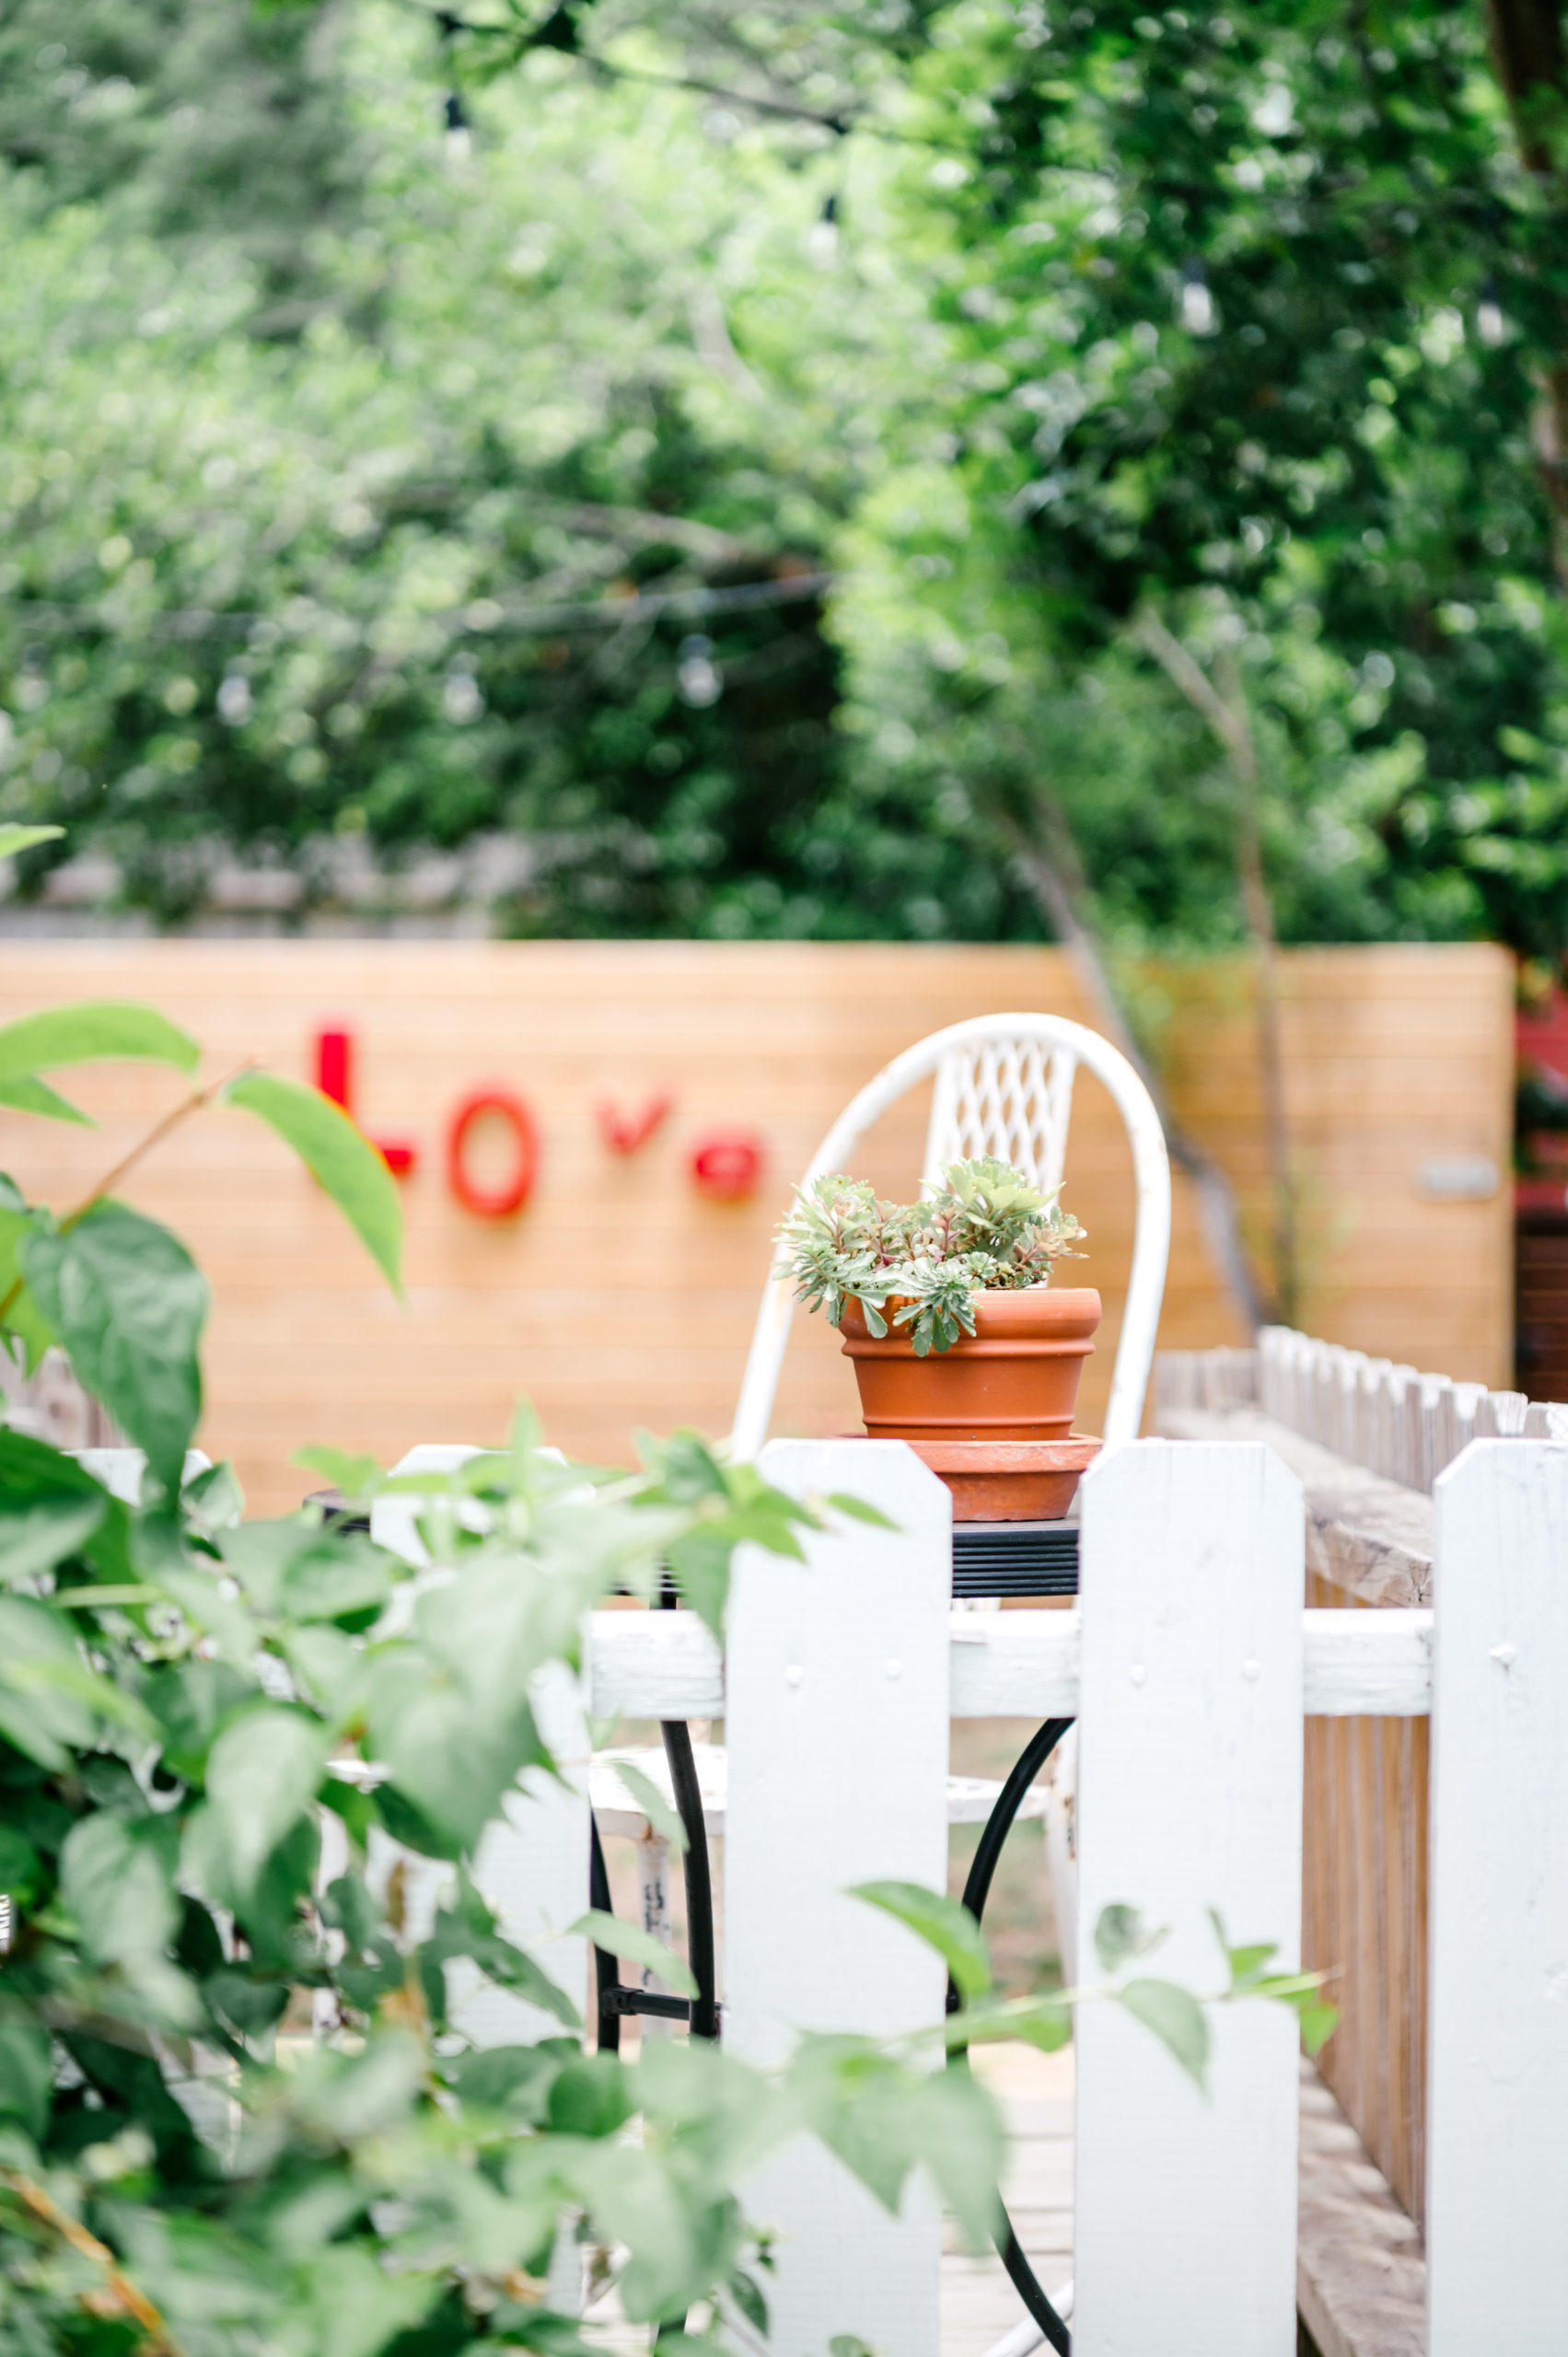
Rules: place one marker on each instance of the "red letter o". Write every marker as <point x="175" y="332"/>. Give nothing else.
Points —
<point x="728" y="1163"/>
<point x="499" y="1202"/>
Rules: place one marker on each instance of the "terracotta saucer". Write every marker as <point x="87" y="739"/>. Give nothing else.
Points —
<point x="1009" y="1480"/>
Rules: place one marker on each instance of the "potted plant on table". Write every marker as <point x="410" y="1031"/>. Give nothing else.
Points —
<point x="960" y="1345"/>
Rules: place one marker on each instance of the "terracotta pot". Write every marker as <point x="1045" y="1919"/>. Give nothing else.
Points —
<point x="1017" y="1379"/>
<point x="1009" y="1480"/>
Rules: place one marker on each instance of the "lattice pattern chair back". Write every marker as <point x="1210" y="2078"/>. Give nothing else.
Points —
<point x="1010" y="1098"/>
<point x="1004" y="1086"/>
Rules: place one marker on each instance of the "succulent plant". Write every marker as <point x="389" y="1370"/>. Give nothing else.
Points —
<point x="989" y="1229"/>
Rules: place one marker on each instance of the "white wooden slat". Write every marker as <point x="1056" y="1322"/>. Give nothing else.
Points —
<point x="1189" y="1786"/>
<point x="655" y="1666"/>
<point x="837" y="1727"/>
<point x="533" y="1869"/>
<point x="1497" y="2149"/>
<point x="1013" y="1664"/>
<point x="1368" y="1664"/>
<point x="532" y="1866"/>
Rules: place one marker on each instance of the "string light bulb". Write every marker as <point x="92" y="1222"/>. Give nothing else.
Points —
<point x="1490" y="324"/>
<point x="460" y="138"/>
<point x="1197" y="303"/>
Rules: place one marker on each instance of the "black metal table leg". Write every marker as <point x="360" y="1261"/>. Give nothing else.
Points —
<point x="977" y="1890"/>
<point x="614" y="2000"/>
<point x="704" y="2016"/>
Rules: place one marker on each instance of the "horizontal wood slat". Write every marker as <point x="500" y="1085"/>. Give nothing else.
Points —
<point x="1018" y="1664"/>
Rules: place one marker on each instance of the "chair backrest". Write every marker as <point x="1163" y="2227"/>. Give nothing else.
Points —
<point x="1004" y="1086"/>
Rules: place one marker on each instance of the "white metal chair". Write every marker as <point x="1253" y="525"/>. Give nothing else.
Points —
<point x="1004" y="1086"/>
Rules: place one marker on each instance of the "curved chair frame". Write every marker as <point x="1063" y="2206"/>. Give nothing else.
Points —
<point x="1003" y="1087"/>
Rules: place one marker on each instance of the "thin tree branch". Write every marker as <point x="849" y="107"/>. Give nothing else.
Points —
<point x="1224" y="708"/>
<point x="156" y="1135"/>
<point x="1054" y="874"/>
<point x="127" y="2297"/>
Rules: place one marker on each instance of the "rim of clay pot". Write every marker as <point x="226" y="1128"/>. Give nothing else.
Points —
<point x="1003" y="1324"/>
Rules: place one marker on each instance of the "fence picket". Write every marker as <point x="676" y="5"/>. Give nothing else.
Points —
<point x="532" y="1865"/>
<point x="1497" y="2156"/>
<point x="836" y="1719"/>
<point x="1190" y="1797"/>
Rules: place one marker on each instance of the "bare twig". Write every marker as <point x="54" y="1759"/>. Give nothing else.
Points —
<point x="156" y="1135"/>
<point x="1053" y="872"/>
<point x="127" y="2297"/>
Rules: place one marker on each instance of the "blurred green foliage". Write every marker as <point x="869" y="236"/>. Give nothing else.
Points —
<point x="357" y="375"/>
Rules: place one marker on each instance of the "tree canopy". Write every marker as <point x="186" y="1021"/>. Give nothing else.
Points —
<point x="804" y="471"/>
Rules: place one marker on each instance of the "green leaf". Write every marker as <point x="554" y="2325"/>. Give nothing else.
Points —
<point x="957" y="2134"/>
<point x="653" y="1804"/>
<point x="117" y="1880"/>
<point x="1319" y="2023"/>
<point x="352" y="1476"/>
<point x="467" y="1927"/>
<point x="193" y="1701"/>
<point x="27" y="2067"/>
<point x="23" y="1317"/>
<point x="1121" y="1934"/>
<point x="591" y="2097"/>
<point x="50" y="1507"/>
<point x="261" y="1773"/>
<point x="16" y="839"/>
<point x="73" y="1679"/>
<point x="943" y="1923"/>
<point x="129" y="1304"/>
<point x="637" y="1946"/>
<point x="339" y="1157"/>
<point x="453" y="1752"/>
<point x="357" y="2305"/>
<point x="552" y="2336"/>
<point x="1176" y="2018"/>
<point x="860" y="1510"/>
<point x="751" y="2300"/>
<point x="90" y="1032"/>
<point x="21" y="1868"/>
<point x="44" y="1719"/>
<point x="1045" y="2022"/>
<point x="514" y="2081"/>
<point x="29" y="1095"/>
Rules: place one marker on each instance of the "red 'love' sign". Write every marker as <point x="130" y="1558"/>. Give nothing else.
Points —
<point x="726" y="1164"/>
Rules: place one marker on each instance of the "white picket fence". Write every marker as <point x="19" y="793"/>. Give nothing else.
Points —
<point x="1189" y="1662"/>
<point x="1393" y="1420"/>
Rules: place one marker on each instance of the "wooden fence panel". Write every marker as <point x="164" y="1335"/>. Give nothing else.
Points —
<point x="620" y="1295"/>
<point x="1497" y="2188"/>
<point x="1190" y="1798"/>
<point x="1365" y="1921"/>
